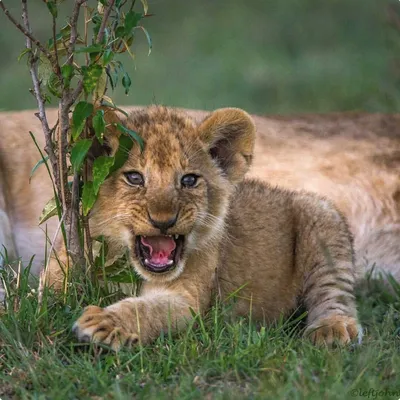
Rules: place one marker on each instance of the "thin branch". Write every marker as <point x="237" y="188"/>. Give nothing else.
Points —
<point x="86" y="33"/>
<point x="36" y="88"/>
<point x="57" y="63"/>
<point x="74" y="30"/>
<point x="26" y="32"/>
<point x="76" y="93"/>
<point x="63" y="110"/>
<point x="103" y="25"/>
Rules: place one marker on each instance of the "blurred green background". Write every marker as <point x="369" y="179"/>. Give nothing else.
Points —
<point x="266" y="56"/>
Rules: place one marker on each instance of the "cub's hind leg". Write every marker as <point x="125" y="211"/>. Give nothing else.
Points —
<point x="324" y="256"/>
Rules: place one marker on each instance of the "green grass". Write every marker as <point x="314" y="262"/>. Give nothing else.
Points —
<point x="215" y="357"/>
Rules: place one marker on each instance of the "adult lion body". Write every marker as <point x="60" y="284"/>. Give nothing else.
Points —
<point x="352" y="160"/>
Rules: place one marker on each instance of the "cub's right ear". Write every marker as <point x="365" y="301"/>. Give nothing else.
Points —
<point x="229" y="134"/>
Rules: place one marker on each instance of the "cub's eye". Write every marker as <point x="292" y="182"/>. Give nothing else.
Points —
<point x="189" y="180"/>
<point x="134" y="178"/>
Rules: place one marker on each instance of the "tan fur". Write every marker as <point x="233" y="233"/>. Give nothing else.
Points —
<point x="280" y="245"/>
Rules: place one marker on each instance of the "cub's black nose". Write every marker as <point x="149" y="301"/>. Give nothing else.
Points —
<point x="163" y="225"/>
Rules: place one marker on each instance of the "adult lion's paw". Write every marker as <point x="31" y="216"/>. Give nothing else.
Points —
<point x="98" y="325"/>
<point x="335" y="329"/>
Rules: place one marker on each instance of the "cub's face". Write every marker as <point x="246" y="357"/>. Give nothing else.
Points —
<point x="171" y="199"/>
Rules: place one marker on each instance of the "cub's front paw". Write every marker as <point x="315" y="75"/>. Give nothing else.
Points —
<point x="338" y="329"/>
<point x="99" y="325"/>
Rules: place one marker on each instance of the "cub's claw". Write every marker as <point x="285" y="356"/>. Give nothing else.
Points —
<point x="98" y="325"/>
<point x="336" y="329"/>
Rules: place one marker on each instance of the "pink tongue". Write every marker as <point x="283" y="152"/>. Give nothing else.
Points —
<point x="160" y="248"/>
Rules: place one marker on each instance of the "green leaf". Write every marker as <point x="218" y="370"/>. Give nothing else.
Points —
<point x="126" y="82"/>
<point x="101" y="87"/>
<point x="99" y="125"/>
<point x="112" y="74"/>
<point x="23" y="53"/>
<point x="51" y="5"/>
<point x="107" y="56"/>
<point x="88" y="197"/>
<point x="44" y="70"/>
<point x="49" y="210"/>
<point x="131" y="20"/>
<point x="54" y="85"/>
<point x="134" y="135"/>
<point x="95" y="48"/>
<point x="112" y="105"/>
<point x="78" y="153"/>
<point x="37" y="165"/>
<point x="82" y="110"/>
<point x="91" y="75"/>
<point x="120" y="31"/>
<point x="125" y="146"/>
<point x="101" y="168"/>
<point x="67" y="72"/>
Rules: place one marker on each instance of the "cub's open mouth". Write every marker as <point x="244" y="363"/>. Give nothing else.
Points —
<point x="159" y="253"/>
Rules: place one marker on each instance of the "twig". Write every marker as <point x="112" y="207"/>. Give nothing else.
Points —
<point x="62" y="143"/>
<point x="65" y="104"/>
<point x="63" y="111"/>
<point x="25" y="31"/>
<point x="36" y="88"/>
<point x="103" y="25"/>
<point x="74" y="30"/>
<point x="76" y="93"/>
<point x="75" y="248"/>
<point x="57" y="63"/>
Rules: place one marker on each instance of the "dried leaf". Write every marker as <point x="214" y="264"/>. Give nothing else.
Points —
<point x="148" y="37"/>
<point x="145" y="6"/>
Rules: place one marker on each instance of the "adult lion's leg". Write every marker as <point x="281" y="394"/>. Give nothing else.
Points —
<point x="7" y="245"/>
<point x="324" y="256"/>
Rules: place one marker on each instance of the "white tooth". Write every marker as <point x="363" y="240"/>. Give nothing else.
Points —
<point x="170" y="262"/>
<point x="176" y="236"/>
<point x="146" y="261"/>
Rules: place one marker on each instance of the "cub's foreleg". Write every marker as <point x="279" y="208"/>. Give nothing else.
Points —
<point x="139" y="319"/>
<point x="324" y="256"/>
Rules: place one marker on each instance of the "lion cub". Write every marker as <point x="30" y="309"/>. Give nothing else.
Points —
<point x="194" y="227"/>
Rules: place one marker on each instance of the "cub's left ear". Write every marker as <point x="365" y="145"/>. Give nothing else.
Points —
<point x="229" y="134"/>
